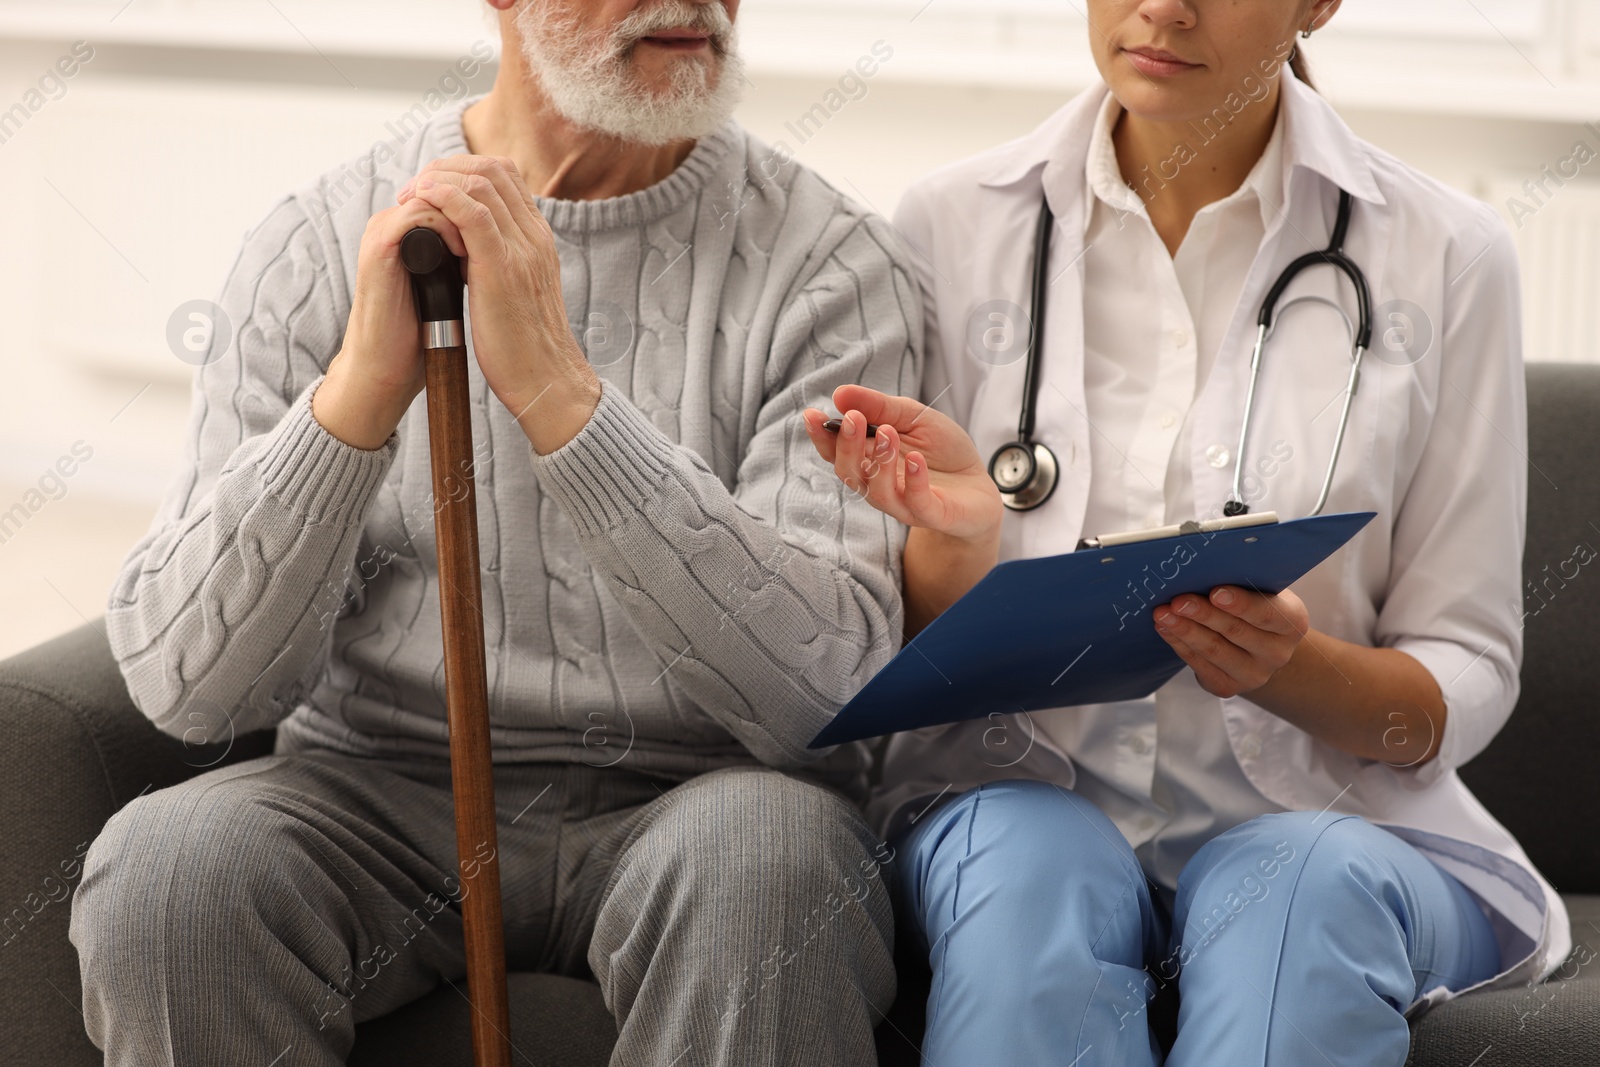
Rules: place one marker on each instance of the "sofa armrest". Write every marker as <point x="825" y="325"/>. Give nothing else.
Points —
<point x="73" y="750"/>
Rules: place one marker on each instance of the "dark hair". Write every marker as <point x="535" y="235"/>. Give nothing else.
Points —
<point x="1297" y="63"/>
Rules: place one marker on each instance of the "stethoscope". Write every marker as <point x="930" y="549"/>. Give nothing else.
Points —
<point x="1026" y="471"/>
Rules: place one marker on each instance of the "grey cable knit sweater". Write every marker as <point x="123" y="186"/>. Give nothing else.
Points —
<point x="683" y="586"/>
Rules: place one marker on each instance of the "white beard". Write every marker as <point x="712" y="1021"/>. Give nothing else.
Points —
<point x="590" y="80"/>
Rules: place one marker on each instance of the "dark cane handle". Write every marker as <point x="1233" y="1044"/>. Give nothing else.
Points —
<point x="435" y="276"/>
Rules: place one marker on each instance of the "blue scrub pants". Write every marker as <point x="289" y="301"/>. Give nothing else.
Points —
<point x="1296" y="938"/>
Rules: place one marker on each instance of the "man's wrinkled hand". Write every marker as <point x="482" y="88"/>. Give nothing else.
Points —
<point x="520" y="331"/>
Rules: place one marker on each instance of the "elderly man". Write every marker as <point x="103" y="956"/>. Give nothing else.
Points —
<point x="677" y="596"/>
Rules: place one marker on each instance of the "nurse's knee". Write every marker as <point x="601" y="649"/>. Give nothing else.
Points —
<point x="1324" y="862"/>
<point x="1346" y="864"/>
<point x="1026" y="834"/>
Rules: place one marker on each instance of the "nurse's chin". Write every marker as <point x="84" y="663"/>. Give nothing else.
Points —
<point x="1165" y="104"/>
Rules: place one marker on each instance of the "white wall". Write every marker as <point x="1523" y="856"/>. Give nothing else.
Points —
<point x="131" y="191"/>
<point x="128" y="195"/>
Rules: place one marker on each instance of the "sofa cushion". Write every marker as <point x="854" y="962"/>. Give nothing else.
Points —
<point x="1554" y="1024"/>
<point x="73" y="749"/>
<point x="555" y="1022"/>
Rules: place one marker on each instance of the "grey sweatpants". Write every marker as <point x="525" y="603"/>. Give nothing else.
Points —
<point x="265" y="908"/>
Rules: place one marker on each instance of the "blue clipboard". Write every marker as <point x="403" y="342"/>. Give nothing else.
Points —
<point x="1058" y="631"/>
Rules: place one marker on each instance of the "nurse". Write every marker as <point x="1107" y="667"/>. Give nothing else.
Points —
<point x="1280" y="829"/>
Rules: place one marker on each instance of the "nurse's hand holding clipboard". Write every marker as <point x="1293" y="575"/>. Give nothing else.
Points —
<point x="923" y="469"/>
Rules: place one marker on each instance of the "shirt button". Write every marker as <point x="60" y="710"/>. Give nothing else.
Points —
<point x="1167" y="420"/>
<point x="1218" y="456"/>
<point x="1139" y="745"/>
<point x="1250" y="746"/>
<point x="1145" y="824"/>
<point x="1180" y="338"/>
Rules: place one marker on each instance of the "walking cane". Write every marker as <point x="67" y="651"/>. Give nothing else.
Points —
<point x="436" y="285"/>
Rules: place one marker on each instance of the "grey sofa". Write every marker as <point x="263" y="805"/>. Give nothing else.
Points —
<point x="73" y="750"/>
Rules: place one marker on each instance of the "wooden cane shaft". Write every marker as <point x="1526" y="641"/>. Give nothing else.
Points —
<point x="455" y="520"/>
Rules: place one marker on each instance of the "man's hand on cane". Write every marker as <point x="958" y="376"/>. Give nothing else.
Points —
<point x="520" y="333"/>
<point x="378" y="371"/>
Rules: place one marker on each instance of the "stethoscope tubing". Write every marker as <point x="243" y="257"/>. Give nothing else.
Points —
<point x="1334" y="257"/>
<point x="1041" y="288"/>
<point x="1032" y="495"/>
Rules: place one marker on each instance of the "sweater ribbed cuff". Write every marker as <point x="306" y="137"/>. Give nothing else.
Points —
<point x="604" y="475"/>
<point x="317" y="475"/>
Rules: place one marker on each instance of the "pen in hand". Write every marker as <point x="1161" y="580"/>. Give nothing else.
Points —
<point x="832" y="426"/>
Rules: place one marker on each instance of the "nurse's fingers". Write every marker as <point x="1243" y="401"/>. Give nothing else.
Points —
<point x="1212" y="678"/>
<point x="883" y="450"/>
<point x="1231" y="628"/>
<point x="1248" y="668"/>
<point x="851" y="451"/>
<point x="1269" y="643"/>
<point x="921" y="502"/>
<point x="824" y="442"/>
<point x="1283" y="613"/>
<point x="880" y="471"/>
<point x="870" y="467"/>
<point x="878" y="407"/>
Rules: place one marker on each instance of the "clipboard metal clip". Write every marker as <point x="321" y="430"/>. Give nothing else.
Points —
<point x="1192" y="526"/>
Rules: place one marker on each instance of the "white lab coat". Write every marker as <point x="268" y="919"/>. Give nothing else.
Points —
<point x="1436" y="446"/>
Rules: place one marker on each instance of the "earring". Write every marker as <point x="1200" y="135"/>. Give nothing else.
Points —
<point x="1306" y="34"/>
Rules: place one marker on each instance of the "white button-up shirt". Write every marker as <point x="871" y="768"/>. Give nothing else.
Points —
<point x="1435" y="446"/>
<point x="1152" y="324"/>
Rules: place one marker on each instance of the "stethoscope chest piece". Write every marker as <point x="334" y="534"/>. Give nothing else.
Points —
<point x="1025" y="472"/>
